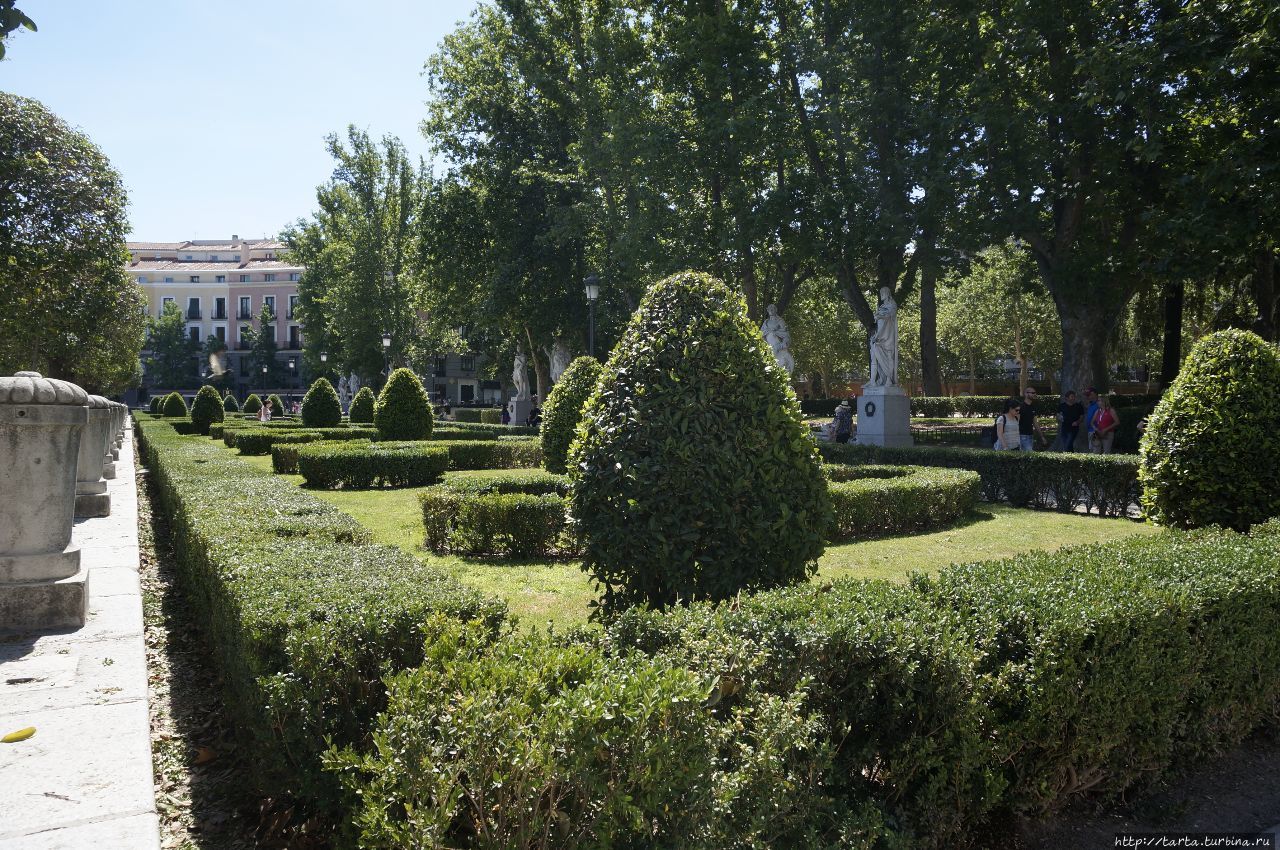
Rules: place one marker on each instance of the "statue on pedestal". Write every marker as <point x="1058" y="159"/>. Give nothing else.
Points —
<point x="779" y="339"/>
<point x="520" y="375"/>
<point x="354" y="384"/>
<point x="884" y="343"/>
<point x="344" y="392"/>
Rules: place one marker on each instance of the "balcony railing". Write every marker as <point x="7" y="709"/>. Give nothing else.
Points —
<point x="244" y="315"/>
<point x="193" y="313"/>
<point x="219" y="315"/>
<point x="243" y="345"/>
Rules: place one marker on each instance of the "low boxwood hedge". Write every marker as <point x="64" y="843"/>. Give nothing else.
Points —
<point x="284" y="449"/>
<point x="990" y="405"/>
<point x="360" y="464"/>
<point x="499" y="429"/>
<point x="448" y="432"/>
<point x="1107" y="484"/>
<point x="507" y="515"/>
<point x="872" y="501"/>
<point x="302" y="614"/>
<point x="184" y="426"/>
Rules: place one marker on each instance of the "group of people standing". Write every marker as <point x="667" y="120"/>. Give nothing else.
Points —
<point x="1017" y="429"/>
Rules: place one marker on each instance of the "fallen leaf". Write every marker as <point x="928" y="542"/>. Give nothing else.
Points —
<point x="204" y="755"/>
<point x="20" y="735"/>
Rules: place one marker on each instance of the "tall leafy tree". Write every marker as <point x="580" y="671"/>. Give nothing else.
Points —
<point x="62" y="254"/>
<point x="173" y="352"/>
<point x="262" y="353"/>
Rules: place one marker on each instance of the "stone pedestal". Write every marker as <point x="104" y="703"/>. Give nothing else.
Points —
<point x="519" y="409"/>
<point x="92" y="498"/>
<point x="884" y="417"/>
<point x="42" y="421"/>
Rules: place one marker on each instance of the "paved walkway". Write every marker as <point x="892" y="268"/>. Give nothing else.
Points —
<point x="84" y="779"/>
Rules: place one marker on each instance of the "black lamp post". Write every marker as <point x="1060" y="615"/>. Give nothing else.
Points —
<point x="592" y="288"/>
<point x="386" y="353"/>
<point x="292" y="365"/>
<point x="264" y="379"/>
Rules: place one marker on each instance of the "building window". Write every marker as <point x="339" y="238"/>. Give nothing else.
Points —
<point x="271" y="332"/>
<point x="293" y="306"/>
<point x="165" y="302"/>
<point x="221" y="278"/>
<point x="236" y="258"/>
<point x="440" y="363"/>
<point x="295" y="276"/>
<point x="168" y="280"/>
<point x="195" y="278"/>
<point x="193" y="308"/>
<point x="188" y="256"/>
<point x="246" y="311"/>
<point x="219" y="308"/>
<point x="244" y="366"/>
<point x="244" y="278"/>
<point x="269" y="301"/>
<point x="295" y="337"/>
<point x="142" y="278"/>
<point x="194" y="333"/>
<point x="245" y="336"/>
<point x="467" y="362"/>
<point x="269" y="278"/>
<point x="271" y="256"/>
<point x="221" y="333"/>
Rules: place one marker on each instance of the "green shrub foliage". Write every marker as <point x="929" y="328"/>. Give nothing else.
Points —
<point x="1211" y="454"/>
<point x="206" y="409"/>
<point x="872" y="501"/>
<point x="277" y="405"/>
<point x="507" y="515"/>
<point x="155" y="403"/>
<point x="230" y="405"/>
<point x="563" y="410"/>
<point x="320" y="406"/>
<point x="361" y="408"/>
<point x="252" y="404"/>
<point x="693" y="475"/>
<point x="403" y="411"/>
<point x="358" y="464"/>
<point x="175" y="405"/>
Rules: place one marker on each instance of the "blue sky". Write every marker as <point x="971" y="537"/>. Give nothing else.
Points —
<point x="215" y="111"/>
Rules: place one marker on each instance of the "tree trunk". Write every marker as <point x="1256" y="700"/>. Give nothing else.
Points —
<point x="1085" y="329"/>
<point x="1171" y="358"/>
<point x="973" y="373"/>
<point x="539" y="368"/>
<point x="931" y="371"/>
<point x="1263" y="283"/>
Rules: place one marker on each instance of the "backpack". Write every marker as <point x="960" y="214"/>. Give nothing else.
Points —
<point x="990" y="433"/>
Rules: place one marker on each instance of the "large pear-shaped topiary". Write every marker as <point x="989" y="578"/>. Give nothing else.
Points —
<point x="252" y="404"/>
<point x="174" y="405"/>
<point x="321" y="407"/>
<point x="403" y="411"/>
<point x="693" y="475"/>
<point x="206" y="409"/>
<point x="230" y="405"/>
<point x="563" y="410"/>
<point x="362" y="407"/>
<point x="1211" y="452"/>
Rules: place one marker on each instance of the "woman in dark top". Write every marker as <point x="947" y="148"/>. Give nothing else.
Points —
<point x="1070" y="415"/>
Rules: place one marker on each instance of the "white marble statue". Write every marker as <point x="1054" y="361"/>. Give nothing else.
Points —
<point x="884" y="344"/>
<point x="353" y="384"/>
<point x="779" y="339"/>
<point x="520" y="375"/>
<point x="344" y="392"/>
<point x="560" y="358"/>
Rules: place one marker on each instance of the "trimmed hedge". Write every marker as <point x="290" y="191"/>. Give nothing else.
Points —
<point x="284" y="449"/>
<point x="1046" y="480"/>
<point x="563" y="410"/>
<point x="206" y="409"/>
<point x="361" y="407"/>
<point x="872" y="501"/>
<point x="358" y="464"/>
<point x="185" y="427"/>
<point x="511" y="516"/>
<point x="252" y="404"/>
<point x="498" y="430"/>
<point x="460" y="454"/>
<point x="403" y="411"/>
<point x="447" y="432"/>
<point x="320" y="406"/>
<point x="989" y="406"/>
<point x="230" y="405"/>
<point x="303" y="615"/>
<point x="1211" y="455"/>
<point x="174" y="405"/>
<point x="277" y="405"/>
<point x="154" y="405"/>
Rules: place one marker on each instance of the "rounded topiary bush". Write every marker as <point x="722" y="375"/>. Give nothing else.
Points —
<point x="1211" y="452"/>
<point x="361" y="409"/>
<point x="230" y="405"/>
<point x="320" y="406"/>
<point x="252" y="404"/>
<point x="206" y="409"/>
<point x="174" y="405"/>
<point x="563" y="410"/>
<point x="693" y="475"/>
<point x="403" y="411"/>
<point x="277" y="405"/>
<point x="154" y="405"/>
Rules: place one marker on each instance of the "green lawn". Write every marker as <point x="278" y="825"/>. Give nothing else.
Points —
<point x="558" y="591"/>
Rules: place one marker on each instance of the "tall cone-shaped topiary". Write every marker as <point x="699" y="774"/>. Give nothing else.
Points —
<point x="1211" y="452"/>
<point x="206" y="409"/>
<point x="563" y="410"/>
<point x="693" y="475"/>
<point x="252" y="404"/>
<point x="403" y="411"/>
<point x="277" y="405"/>
<point x="174" y="405"/>
<point x="230" y="405"/>
<point x="320" y="406"/>
<point x="361" y="409"/>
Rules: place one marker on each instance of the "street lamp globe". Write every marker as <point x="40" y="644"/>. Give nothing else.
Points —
<point x="386" y="340"/>
<point x="592" y="287"/>
<point x="324" y="357"/>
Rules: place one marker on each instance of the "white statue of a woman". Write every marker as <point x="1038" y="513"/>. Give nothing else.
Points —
<point x="884" y="344"/>
<point x="520" y="375"/>
<point x="560" y="358"/>
<point x="344" y="392"/>
<point x="779" y="339"/>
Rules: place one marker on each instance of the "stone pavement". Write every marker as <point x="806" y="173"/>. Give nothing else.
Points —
<point x="84" y="779"/>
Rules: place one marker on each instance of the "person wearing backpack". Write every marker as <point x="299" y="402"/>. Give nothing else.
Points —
<point x="843" y="421"/>
<point x="1008" y="435"/>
